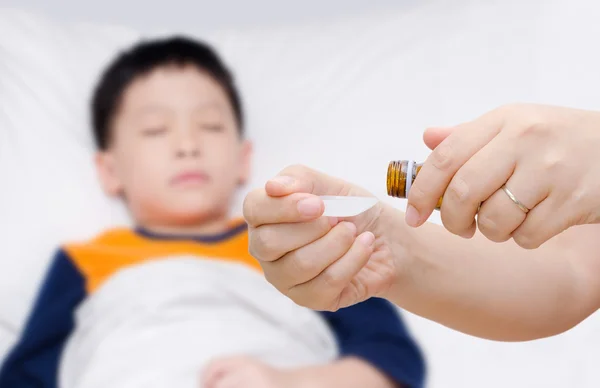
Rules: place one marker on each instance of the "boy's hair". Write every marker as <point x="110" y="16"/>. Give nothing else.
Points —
<point x="142" y="59"/>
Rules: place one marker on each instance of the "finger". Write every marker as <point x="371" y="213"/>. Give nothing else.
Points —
<point x="282" y="185"/>
<point x="444" y="161"/>
<point x="499" y="216"/>
<point x="434" y="136"/>
<point x="549" y="218"/>
<point x="304" y="264"/>
<point x="260" y="209"/>
<point x="271" y="241"/>
<point x="324" y="292"/>
<point x="478" y="179"/>
<point x="373" y="279"/>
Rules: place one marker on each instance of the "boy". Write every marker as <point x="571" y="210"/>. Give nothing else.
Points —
<point x="169" y="302"/>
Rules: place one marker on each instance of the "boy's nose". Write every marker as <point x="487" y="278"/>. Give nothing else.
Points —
<point x="187" y="145"/>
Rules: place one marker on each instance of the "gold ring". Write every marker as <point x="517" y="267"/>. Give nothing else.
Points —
<point x="515" y="200"/>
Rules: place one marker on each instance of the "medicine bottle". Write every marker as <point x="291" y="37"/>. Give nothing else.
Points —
<point x="400" y="176"/>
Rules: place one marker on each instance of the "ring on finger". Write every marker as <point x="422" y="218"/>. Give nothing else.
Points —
<point x="514" y="199"/>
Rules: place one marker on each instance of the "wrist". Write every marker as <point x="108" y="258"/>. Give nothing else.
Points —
<point x="400" y="239"/>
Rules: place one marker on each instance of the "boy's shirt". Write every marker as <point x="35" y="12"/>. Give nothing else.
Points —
<point x="125" y="289"/>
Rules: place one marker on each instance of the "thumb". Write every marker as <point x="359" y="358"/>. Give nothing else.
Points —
<point x="434" y="136"/>
<point x="301" y="179"/>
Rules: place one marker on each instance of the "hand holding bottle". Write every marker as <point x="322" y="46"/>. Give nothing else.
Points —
<point x="494" y="291"/>
<point x="528" y="171"/>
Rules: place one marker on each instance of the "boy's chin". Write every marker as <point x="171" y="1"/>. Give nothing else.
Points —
<point x="196" y="214"/>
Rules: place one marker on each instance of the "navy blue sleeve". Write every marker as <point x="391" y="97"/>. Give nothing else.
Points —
<point x="373" y="330"/>
<point x="34" y="360"/>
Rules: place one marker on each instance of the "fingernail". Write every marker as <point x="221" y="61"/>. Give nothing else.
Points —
<point x="412" y="216"/>
<point x="310" y="207"/>
<point x="367" y="239"/>
<point x="283" y="180"/>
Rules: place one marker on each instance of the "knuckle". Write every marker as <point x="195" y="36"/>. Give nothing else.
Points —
<point x="333" y="279"/>
<point x="579" y="197"/>
<point x="294" y="170"/>
<point x="263" y="244"/>
<point x="581" y="200"/>
<point x="442" y="156"/>
<point x="459" y="190"/>
<point x="416" y="194"/>
<point x="553" y="162"/>
<point x="534" y="127"/>
<point x="304" y="265"/>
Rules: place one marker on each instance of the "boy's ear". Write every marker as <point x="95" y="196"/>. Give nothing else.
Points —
<point x="109" y="179"/>
<point x="245" y="161"/>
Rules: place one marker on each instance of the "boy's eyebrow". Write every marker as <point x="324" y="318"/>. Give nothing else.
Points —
<point x="154" y="109"/>
<point x="150" y="109"/>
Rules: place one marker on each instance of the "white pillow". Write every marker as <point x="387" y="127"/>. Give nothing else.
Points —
<point x="345" y="97"/>
<point x="49" y="191"/>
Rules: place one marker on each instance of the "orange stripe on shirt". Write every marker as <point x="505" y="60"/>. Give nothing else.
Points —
<point x="116" y="249"/>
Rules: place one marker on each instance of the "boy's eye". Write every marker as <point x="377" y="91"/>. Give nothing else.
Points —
<point x="212" y="127"/>
<point x="155" y="131"/>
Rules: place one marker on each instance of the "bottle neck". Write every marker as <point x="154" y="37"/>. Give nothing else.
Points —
<point x="410" y="177"/>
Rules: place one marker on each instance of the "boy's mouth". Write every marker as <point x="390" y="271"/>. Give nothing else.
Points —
<point x="190" y="178"/>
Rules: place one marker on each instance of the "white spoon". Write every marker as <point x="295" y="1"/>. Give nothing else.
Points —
<point x="341" y="206"/>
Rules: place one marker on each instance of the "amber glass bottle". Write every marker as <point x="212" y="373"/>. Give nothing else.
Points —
<point x="400" y="176"/>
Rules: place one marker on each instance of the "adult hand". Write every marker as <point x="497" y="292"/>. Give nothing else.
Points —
<point x="319" y="262"/>
<point x="547" y="157"/>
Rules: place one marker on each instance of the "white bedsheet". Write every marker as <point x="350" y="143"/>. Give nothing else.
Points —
<point x="158" y="324"/>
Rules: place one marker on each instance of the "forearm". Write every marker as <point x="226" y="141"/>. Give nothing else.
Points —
<point x="348" y="372"/>
<point x="490" y="290"/>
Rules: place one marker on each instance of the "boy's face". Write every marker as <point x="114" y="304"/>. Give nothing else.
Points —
<point x="176" y="155"/>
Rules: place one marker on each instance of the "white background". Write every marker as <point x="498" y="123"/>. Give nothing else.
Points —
<point x="203" y="15"/>
<point x="457" y="61"/>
